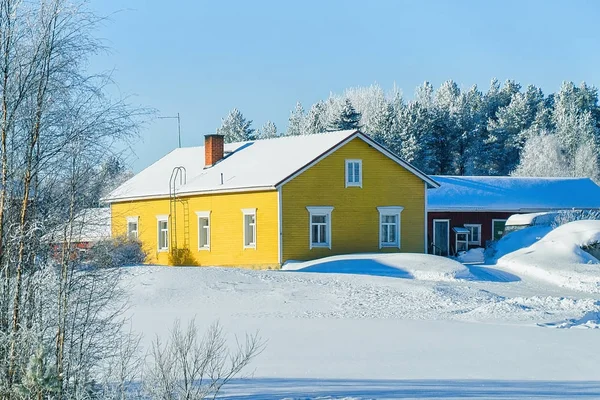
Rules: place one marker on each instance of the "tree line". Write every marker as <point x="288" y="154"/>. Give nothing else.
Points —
<point x="508" y="129"/>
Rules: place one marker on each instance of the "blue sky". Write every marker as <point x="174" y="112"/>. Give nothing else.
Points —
<point x="203" y="58"/>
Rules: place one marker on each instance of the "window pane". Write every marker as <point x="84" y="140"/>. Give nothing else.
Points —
<point x="384" y="233"/>
<point x="249" y="224"/>
<point x="315" y="233"/>
<point x="349" y="168"/>
<point x="392" y="233"/>
<point x="356" y="172"/>
<point x="323" y="233"/>
<point x="203" y="231"/>
<point x="319" y="219"/>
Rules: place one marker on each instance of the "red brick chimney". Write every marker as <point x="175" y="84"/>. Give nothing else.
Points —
<point x="214" y="149"/>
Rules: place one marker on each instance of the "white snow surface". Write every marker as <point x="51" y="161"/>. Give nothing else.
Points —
<point x="403" y="265"/>
<point x="516" y="194"/>
<point x="543" y="218"/>
<point x="558" y="258"/>
<point x="519" y="239"/>
<point x="496" y="334"/>
<point x="475" y="255"/>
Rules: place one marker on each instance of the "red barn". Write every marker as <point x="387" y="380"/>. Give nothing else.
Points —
<point x="469" y="211"/>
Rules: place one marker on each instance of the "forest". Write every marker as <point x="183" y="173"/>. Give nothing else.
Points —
<point x="507" y="130"/>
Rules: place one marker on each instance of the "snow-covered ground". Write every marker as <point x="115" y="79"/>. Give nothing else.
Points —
<point x="422" y="327"/>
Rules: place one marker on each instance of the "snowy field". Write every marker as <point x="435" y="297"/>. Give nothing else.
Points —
<point x="418" y="327"/>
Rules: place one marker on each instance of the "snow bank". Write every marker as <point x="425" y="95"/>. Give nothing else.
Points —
<point x="558" y="257"/>
<point x="409" y="266"/>
<point x="472" y="256"/>
<point x="519" y="239"/>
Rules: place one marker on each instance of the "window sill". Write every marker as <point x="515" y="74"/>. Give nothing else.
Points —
<point x="203" y="248"/>
<point x="320" y="246"/>
<point x="348" y="185"/>
<point x="250" y="247"/>
<point x="163" y="250"/>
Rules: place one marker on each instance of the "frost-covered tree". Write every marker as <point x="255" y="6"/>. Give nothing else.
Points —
<point x="543" y="155"/>
<point x="347" y="119"/>
<point x="296" y="121"/>
<point x="236" y="128"/>
<point x="585" y="163"/>
<point x="267" y="131"/>
<point x="315" y="120"/>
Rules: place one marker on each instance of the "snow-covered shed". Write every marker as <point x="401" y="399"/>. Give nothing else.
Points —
<point x="89" y="226"/>
<point x="482" y="204"/>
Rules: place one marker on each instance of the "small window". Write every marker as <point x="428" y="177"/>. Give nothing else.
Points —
<point x="389" y="226"/>
<point x="354" y="173"/>
<point x="132" y="228"/>
<point x="163" y="233"/>
<point x="203" y="230"/>
<point x="474" y="233"/>
<point x="320" y="226"/>
<point x="249" y="228"/>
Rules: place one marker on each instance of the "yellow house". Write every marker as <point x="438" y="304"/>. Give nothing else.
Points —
<point x="259" y="204"/>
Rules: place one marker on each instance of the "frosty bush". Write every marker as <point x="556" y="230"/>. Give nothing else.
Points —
<point x="189" y="367"/>
<point x="117" y="252"/>
<point x="566" y="216"/>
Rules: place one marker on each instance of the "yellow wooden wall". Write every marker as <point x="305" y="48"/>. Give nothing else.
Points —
<point x="226" y="220"/>
<point x="355" y="219"/>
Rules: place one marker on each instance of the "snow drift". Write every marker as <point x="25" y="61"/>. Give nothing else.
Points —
<point x="558" y="256"/>
<point x="410" y="266"/>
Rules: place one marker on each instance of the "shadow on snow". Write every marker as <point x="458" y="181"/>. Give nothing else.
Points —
<point x="487" y="274"/>
<point x="357" y="267"/>
<point x="276" y="389"/>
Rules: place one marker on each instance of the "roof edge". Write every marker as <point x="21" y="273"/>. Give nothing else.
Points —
<point x="191" y="193"/>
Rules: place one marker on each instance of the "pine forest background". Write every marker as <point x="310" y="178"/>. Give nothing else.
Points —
<point x="507" y="130"/>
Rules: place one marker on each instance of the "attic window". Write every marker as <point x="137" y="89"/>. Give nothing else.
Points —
<point x="353" y="173"/>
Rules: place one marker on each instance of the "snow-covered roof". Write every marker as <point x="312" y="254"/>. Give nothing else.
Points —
<point x="89" y="225"/>
<point x="254" y="165"/>
<point x="512" y="194"/>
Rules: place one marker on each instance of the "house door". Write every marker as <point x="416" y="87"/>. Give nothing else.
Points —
<point x="498" y="228"/>
<point x="441" y="237"/>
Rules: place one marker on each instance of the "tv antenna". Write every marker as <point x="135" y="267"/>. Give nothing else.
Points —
<point x="178" y="126"/>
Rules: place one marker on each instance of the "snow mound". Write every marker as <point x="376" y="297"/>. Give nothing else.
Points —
<point x="409" y="266"/>
<point x="472" y="256"/>
<point x="558" y="257"/>
<point x="519" y="239"/>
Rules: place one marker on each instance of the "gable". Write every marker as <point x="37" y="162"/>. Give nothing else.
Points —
<point x="373" y="146"/>
<point x="378" y="170"/>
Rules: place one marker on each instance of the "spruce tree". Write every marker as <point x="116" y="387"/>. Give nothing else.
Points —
<point x="296" y="121"/>
<point x="267" y="131"/>
<point x="348" y="118"/>
<point x="236" y="128"/>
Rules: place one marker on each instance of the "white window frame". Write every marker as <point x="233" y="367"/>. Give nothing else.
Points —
<point x="470" y="240"/>
<point x="319" y="211"/>
<point x="136" y="221"/>
<point x="159" y="219"/>
<point x="360" y="174"/>
<point x="203" y="215"/>
<point x="390" y="211"/>
<point x="245" y="212"/>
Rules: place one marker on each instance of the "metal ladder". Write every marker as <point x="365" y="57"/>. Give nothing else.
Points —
<point x="177" y="175"/>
